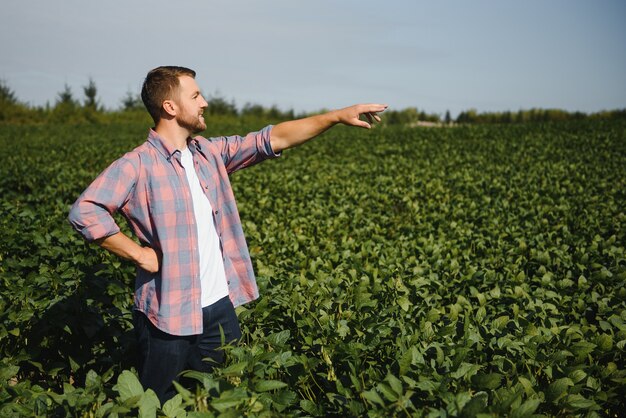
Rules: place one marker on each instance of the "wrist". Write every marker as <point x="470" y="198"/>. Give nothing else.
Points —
<point x="333" y="117"/>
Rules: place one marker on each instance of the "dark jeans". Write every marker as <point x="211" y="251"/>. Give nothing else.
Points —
<point x="163" y="356"/>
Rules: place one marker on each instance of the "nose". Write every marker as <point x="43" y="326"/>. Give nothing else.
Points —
<point x="203" y="103"/>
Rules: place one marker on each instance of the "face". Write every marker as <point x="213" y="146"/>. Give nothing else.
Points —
<point x="191" y="106"/>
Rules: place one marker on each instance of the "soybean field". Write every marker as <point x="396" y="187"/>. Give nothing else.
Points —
<point x="462" y="271"/>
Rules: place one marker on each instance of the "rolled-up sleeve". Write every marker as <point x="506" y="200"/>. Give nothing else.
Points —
<point x="91" y="214"/>
<point x="243" y="151"/>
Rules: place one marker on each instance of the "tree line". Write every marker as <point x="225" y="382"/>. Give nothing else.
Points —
<point x="535" y="115"/>
<point x="70" y="109"/>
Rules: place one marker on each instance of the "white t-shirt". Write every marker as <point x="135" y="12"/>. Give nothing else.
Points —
<point x="212" y="276"/>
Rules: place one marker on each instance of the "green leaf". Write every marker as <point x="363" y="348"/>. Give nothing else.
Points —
<point x="8" y="372"/>
<point x="310" y="407"/>
<point x="395" y="384"/>
<point x="465" y="370"/>
<point x="577" y="375"/>
<point x="577" y="401"/>
<point x="92" y="379"/>
<point x="593" y="383"/>
<point x="267" y="385"/>
<point x="489" y="381"/>
<point x="226" y="404"/>
<point x="461" y="400"/>
<point x="284" y="398"/>
<point x="185" y="394"/>
<point x="509" y="397"/>
<point x="582" y="348"/>
<point x="387" y="392"/>
<point x="279" y="339"/>
<point x="500" y="322"/>
<point x="73" y="364"/>
<point x="406" y="360"/>
<point x="128" y="386"/>
<point x="526" y="409"/>
<point x="373" y="397"/>
<point x="433" y="315"/>
<point x="204" y="378"/>
<point x="480" y="314"/>
<point x="172" y="408"/>
<point x="605" y="342"/>
<point x="558" y="389"/>
<point x="344" y="329"/>
<point x="404" y="303"/>
<point x="235" y="369"/>
<point x="427" y="385"/>
<point x="477" y="404"/>
<point x="148" y="404"/>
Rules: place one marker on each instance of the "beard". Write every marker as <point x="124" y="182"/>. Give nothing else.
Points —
<point x="193" y="123"/>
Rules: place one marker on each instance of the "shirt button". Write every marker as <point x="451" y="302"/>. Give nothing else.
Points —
<point x="217" y="211"/>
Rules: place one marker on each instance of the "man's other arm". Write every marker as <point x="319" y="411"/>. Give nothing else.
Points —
<point x="124" y="247"/>
<point x="293" y="133"/>
<point x="91" y="214"/>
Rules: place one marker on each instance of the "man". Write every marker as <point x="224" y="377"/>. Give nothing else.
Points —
<point x="193" y="262"/>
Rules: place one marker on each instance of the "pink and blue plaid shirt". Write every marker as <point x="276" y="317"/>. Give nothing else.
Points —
<point x="149" y="187"/>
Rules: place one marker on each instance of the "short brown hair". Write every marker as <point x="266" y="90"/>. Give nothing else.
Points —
<point x="161" y="84"/>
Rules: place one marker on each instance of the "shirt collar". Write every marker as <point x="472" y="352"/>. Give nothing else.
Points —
<point x="194" y="146"/>
<point x="167" y="149"/>
<point x="161" y="145"/>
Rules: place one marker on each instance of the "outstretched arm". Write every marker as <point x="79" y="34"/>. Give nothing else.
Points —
<point x="293" y="133"/>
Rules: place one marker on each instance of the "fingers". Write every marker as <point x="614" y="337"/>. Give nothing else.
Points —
<point x="362" y="124"/>
<point x="372" y="108"/>
<point x="371" y="117"/>
<point x="352" y="115"/>
<point x="371" y="111"/>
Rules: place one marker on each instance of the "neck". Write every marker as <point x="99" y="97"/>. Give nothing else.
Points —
<point x="174" y="134"/>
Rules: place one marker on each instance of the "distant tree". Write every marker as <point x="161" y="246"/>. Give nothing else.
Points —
<point x="132" y="101"/>
<point x="274" y="112"/>
<point x="218" y="105"/>
<point x="7" y="95"/>
<point x="66" y="96"/>
<point x="10" y="107"/>
<point x="447" y="119"/>
<point x="66" y="107"/>
<point x="289" y="114"/>
<point x="469" y="116"/>
<point x="91" y="91"/>
<point x="253" y="109"/>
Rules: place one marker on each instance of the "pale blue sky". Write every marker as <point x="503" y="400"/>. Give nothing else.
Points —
<point x="456" y="55"/>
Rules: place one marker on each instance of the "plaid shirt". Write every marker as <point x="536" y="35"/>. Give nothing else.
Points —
<point x="149" y="187"/>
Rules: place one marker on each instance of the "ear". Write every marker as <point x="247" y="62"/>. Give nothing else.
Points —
<point x="169" y="107"/>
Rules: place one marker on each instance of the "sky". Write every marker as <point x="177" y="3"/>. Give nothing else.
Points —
<point x="436" y="56"/>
